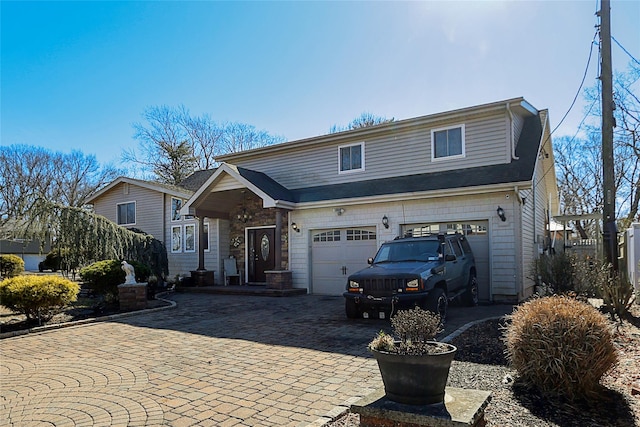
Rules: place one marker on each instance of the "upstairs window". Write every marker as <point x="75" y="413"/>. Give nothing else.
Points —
<point x="447" y="143"/>
<point x="351" y="158"/>
<point x="126" y="213"/>
<point x="176" y="205"/>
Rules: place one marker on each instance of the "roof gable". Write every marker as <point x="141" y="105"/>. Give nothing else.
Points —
<point x="150" y="185"/>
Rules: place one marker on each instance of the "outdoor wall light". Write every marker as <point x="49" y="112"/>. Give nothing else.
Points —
<point x="385" y="221"/>
<point x="244" y="216"/>
<point x="501" y="214"/>
<point x="295" y="227"/>
<point x="339" y="211"/>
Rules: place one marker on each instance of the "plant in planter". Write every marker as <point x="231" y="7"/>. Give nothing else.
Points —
<point x="414" y="367"/>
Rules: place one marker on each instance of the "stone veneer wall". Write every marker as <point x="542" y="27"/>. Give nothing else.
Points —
<point x="259" y="217"/>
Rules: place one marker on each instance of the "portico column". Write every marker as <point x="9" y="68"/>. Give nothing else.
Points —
<point x="201" y="243"/>
<point x="278" y="240"/>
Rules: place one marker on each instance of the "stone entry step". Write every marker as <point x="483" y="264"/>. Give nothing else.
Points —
<point x="462" y="407"/>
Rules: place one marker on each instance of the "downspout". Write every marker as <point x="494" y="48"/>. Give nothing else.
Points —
<point x="512" y="138"/>
<point x="520" y="258"/>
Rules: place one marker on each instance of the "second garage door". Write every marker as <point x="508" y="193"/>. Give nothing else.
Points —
<point x="337" y="253"/>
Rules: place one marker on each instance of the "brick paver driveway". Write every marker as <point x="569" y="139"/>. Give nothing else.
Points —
<point x="215" y="360"/>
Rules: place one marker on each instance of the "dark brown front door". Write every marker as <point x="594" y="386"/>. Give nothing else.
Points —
<point x="261" y="253"/>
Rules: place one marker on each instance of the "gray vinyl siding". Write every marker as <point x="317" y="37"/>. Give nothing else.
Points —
<point x="404" y="152"/>
<point x="149" y="218"/>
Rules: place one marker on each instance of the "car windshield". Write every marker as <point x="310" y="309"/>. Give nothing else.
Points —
<point x="424" y="250"/>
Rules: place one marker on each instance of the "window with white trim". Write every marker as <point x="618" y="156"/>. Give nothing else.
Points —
<point x="176" y="205"/>
<point x="190" y="238"/>
<point x="351" y="158"/>
<point x="176" y="238"/>
<point x="447" y="143"/>
<point x="126" y="213"/>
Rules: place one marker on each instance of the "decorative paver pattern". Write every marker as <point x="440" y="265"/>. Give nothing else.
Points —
<point x="213" y="361"/>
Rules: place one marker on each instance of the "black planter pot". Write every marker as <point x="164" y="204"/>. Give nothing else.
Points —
<point x="415" y="380"/>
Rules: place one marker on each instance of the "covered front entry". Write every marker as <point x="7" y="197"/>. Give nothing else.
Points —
<point x="337" y="253"/>
<point x="260" y="253"/>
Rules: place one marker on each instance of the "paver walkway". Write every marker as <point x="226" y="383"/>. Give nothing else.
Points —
<point x="215" y="360"/>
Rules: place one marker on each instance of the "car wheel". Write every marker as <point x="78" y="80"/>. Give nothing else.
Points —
<point x="470" y="296"/>
<point x="351" y="309"/>
<point x="438" y="303"/>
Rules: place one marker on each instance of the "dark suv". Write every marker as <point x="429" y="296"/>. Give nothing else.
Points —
<point x="424" y="271"/>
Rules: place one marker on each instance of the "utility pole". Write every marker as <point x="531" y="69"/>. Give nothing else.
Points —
<point x="608" y="183"/>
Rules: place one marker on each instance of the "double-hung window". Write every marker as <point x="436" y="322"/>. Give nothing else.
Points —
<point x="176" y="205"/>
<point x="126" y="213"/>
<point x="351" y="158"/>
<point x="447" y="143"/>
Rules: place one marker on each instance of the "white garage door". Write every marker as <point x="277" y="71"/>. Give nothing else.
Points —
<point x="335" y="254"/>
<point x="478" y="237"/>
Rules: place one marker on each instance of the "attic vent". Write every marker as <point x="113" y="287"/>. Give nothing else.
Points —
<point x="125" y="188"/>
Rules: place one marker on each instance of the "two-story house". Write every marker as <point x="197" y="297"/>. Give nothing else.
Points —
<point x="319" y="207"/>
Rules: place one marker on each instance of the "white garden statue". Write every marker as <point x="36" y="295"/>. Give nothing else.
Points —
<point x="130" y="273"/>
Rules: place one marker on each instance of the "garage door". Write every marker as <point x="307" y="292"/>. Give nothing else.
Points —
<point x="337" y="253"/>
<point x="478" y="237"/>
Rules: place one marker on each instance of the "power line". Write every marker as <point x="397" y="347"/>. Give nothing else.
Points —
<point x="584" y="76"/>
<point x="625" y="50"/>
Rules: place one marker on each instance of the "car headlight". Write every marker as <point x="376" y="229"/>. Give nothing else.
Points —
<point x="413" y="284"/>
<point x="353" y="284"/>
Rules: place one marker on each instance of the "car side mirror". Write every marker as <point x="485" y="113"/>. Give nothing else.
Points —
<point x="370" y="261"/>
<point x="449" y="257"/>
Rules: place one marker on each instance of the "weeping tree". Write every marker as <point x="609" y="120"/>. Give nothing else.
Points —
<point x="81" y="237"/>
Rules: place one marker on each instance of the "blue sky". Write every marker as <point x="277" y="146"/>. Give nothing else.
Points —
<point x="77" y="75"/>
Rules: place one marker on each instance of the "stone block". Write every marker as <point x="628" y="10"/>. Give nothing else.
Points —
<point x="462" y="407"/>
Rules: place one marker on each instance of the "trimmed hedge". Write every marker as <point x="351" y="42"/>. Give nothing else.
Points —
<point x="104" y="276"/>
<point x="38" y="297"/>
<point x="11" y="265"/>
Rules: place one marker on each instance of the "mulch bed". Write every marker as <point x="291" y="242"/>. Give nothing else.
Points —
<point x="480" y="363"/>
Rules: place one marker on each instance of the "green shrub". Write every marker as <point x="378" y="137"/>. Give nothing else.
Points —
<point x="53" y="261"/>
<point x="11" y="265"/>
<point x="560" y="345"/>
<point x="564" y="273"/>
<point x="104" y="276"/>
<point x="37" y="297"/>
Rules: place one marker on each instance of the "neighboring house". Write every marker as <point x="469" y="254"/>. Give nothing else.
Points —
<point x="155" y="209"/>
<point x="31" y="251"/>
<point x="486" y="171"/>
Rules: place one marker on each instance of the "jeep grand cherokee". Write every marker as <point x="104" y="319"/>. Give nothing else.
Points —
<point x="424" y="271"/>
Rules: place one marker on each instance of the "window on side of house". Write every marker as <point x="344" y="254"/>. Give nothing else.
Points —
<point x="176" y="239"/>
<point x="190" y="238"/>
<point x="176" y="205"/>
<point x="205" y="237"/>
<point x="126" y="213"/>
<point x="351" y="158"/>
<point x="447" y="143"/>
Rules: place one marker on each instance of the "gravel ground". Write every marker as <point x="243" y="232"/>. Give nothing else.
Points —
<point x="480" y="364"/>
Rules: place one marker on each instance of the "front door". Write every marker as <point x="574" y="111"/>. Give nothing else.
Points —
<point x="261" y="254"/>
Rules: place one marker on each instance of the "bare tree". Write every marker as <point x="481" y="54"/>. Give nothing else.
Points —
<point x="365" y="119"/>
<point x="579" y="161"/>
<point x="241" y="137"/>
<point x="30" y="173"/>
<point x="174" y="144"/>
<point x="165" y="150"/>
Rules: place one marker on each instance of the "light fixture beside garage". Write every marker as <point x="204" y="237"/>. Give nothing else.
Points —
<point x="385" y="221"/>
<point x="295" y="227"/>
<point x="501" y="214"/>
<point x="339" y="211"/>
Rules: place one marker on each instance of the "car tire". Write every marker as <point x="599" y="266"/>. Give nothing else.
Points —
<point x="470" y="297"/>
<point x="438" y="303"/>
<point x="351" y="309"/>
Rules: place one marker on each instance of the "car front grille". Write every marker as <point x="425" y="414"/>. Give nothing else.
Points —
<point x="384" y="286"/>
